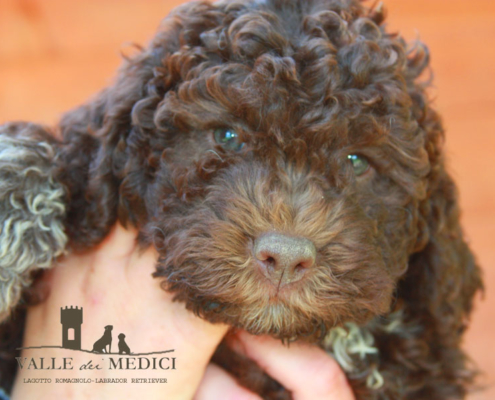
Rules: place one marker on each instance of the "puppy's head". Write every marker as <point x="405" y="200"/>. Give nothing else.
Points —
<point x="293" y="169"/>
<point x="284" y="160"/>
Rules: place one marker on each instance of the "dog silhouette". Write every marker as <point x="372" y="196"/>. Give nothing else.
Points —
<point x="123" y="347"/>
<point x="100" y="346"/>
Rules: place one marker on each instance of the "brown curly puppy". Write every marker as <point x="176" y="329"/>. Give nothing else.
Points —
<point x="284" y="159"/>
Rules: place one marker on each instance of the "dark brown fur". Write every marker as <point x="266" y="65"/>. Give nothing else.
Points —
<point x="305" y="83"/>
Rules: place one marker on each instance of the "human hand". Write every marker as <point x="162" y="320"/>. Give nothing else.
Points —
<point x="305" y="370"/>
<point x="113" y="284"/>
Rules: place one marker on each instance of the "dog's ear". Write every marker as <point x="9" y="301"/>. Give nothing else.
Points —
<point x="106" y="146"/>
<point x="443" y="276"/>
<point x="86" y="169"/>
<point x="111" y="148"/>
<point x="33" y="206"/>
<point x="436" y="294"/>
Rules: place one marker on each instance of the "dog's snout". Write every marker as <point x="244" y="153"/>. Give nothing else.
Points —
<point x="284" y="259"/>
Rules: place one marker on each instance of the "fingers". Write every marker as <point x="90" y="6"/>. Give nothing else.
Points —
<point x="219" y="385"/>
<point x="307" y="371"/>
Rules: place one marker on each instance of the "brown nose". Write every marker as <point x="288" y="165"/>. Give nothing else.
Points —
<point x="284" y="259"/>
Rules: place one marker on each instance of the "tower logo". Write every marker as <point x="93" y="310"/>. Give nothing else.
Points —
<point x="71" y="320"/>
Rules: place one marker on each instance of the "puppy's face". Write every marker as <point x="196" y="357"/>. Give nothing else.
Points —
<point x="292" y="168"/>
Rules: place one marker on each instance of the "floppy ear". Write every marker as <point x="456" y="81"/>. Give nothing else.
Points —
<point x="103" y="160"/>
<point x="443" y="277"/>
<point x="439" y="286"/>
<point x="84" y="166"/>
<point x="111" y="147"/>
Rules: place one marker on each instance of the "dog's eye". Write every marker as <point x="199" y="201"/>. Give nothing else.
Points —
<point x="229" y="139"/>
<point x="359" y="163"/>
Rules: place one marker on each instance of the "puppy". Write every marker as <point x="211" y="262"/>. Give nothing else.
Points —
<point x="123" y="347"/>
<point x="284" y="159"/>
<point x="100" y="346"/>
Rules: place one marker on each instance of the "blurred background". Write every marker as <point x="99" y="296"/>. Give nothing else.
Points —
<point x="55" y="54"/>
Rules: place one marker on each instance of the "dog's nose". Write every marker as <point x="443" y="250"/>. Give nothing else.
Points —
<point x="284" y="259"/>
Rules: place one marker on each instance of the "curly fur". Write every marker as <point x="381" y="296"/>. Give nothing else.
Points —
<point x="305" y="84"/>
<point x="32" y="208"/>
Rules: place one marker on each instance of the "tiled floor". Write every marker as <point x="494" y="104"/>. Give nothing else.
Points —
<point x="54" y="54"/>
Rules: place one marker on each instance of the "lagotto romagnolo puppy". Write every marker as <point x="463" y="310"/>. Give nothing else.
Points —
<point x="285" y="160"/>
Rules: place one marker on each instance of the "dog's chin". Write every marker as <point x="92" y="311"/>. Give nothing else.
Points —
<point x="279" y="321"/>
<point x="282" y="317"/>
<point x="287" y="316"/>
<point x="288" y="313"/>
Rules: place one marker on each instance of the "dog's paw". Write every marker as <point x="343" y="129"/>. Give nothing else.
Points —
<point x="32" y="208"/>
